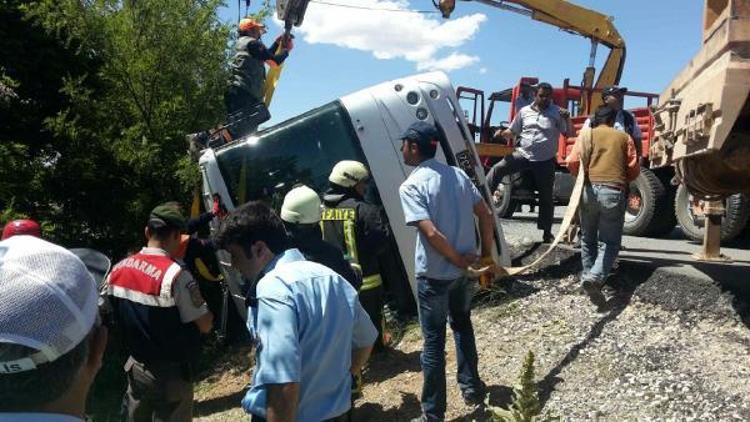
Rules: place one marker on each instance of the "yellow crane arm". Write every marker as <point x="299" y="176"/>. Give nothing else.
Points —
<point x="576" y="19"/>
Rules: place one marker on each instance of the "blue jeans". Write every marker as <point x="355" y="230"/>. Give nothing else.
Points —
<point x="602" y="218"/>
<point x="441" y="301"/>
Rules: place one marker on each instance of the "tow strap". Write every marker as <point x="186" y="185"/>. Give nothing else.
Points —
<point x="272" y="78"/>
<point x="568" y="218"/>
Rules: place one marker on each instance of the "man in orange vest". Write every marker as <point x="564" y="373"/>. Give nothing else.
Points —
<point x="161" y="312"/>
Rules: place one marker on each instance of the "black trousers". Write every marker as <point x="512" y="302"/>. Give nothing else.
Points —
<point x="543" y="173"/>
<point x="372" y="302"/>
<point x="161" y="392"/>
<point x="235" y="100"/>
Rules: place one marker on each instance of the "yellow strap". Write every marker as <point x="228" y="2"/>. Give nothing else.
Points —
<point x="371" y="282"/>
<point x="195" y="207"/>
<point x="272" y="78"/>
<point x="570" y="213"/>
<point x="205" y="272"/>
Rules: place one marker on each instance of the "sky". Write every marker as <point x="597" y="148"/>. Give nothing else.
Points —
<point x="340" y="50"/>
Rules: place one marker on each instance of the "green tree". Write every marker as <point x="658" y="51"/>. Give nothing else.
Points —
<point x="153" y="71"/>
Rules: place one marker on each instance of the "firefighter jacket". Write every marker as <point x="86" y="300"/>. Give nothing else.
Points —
<point x="358" y="229"/>
<point x="310" y="242"/>
<point x="140" y="288"/>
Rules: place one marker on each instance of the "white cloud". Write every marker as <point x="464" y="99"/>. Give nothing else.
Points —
<point x="392" y="35"/>
<point x="452" y="62"/>
<point x="482" y="70"/>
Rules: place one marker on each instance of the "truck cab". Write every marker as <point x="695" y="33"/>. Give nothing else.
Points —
<point x="363" y="126"/>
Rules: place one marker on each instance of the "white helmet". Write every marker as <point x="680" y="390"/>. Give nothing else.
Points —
<point x="301" y="206"/>
<point x="348" y="173"/>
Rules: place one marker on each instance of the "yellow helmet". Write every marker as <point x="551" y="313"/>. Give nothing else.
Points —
<point x="348" y="173"/>
<point x="301" y="206"/>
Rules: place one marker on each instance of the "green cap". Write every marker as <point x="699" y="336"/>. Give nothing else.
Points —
<point x="168" y="214"/>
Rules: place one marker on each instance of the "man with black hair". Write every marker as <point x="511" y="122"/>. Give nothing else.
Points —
<point x="52" y="341"/>
<point x="441" y="202"/>
<point x="613" y="96"/>
<point x="538" y="127"/>
<point x="310" y="332"/>
<point x="608" y="158"/>
<point x="162" y="313"/>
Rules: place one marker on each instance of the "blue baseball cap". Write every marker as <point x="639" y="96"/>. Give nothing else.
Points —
<point x="423" y="134"/>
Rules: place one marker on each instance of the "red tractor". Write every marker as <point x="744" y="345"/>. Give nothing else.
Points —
<point x="650" y="209"/>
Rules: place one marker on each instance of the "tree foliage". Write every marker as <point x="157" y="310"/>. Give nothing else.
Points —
<point x="102" y="93"/>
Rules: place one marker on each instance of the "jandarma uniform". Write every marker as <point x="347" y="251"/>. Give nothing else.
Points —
<point x="155" y="301"/>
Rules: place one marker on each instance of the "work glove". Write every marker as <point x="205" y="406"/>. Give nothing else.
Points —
<point x="286" y="42"/>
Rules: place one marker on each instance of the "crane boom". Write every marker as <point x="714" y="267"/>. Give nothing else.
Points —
<point x="573" y="18"/>
<point x="563" y="14"/>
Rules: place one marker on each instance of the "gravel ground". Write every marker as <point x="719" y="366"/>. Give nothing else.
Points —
<point x="666" y="348"/>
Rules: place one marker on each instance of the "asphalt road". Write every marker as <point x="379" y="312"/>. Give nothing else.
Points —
<point x="672" y="254"/>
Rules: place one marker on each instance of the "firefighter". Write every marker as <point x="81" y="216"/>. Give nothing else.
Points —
<point x="300" y="213"/>
<point x="160" y="309"/>
<point x="248" y="70"/>
<point x="21" y="227"/>
<point x="360" y="230"/>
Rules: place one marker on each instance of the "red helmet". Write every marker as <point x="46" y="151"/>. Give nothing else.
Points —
<point x="19" y="227"/>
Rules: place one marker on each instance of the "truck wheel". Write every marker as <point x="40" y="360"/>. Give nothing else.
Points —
<point x="691" y="220"/>
<point x="644" y="200"/>
<point x="664" y="220"/>
<point x="502" y="198"/>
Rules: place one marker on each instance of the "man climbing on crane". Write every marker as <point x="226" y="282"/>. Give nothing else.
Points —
<point x="246" y="84"/>
<point x="244" y="98"/>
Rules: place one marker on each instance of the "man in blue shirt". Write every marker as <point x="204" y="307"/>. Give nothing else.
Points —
<point x="538" y="127"/>
<point x="440" y="201"/>
<point x="309" y="330"/>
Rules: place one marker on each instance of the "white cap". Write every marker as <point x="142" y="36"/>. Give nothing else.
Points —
<point x="301" y="206"/>
<point x="48" y="301"/>
<point x="348" y="173"/>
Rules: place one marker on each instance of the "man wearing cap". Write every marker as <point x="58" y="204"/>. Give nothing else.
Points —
<point x="300" y="213"/>
<point x="613" y="96"/>
<point x="310" y="331"/>
<point x="441" y="202"/>
<point x="359" y="229"/>
<point x="538" y="128"/>
<point x="21" y="227"/>
<point x="51" y="339"/>
<point x="248" y="70"/>
<point x="161" y="312"/>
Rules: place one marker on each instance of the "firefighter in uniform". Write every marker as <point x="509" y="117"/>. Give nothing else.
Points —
<point x="300" y="213"/>
<point x="159" y="308"/>
<point x="360" y="231"/>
